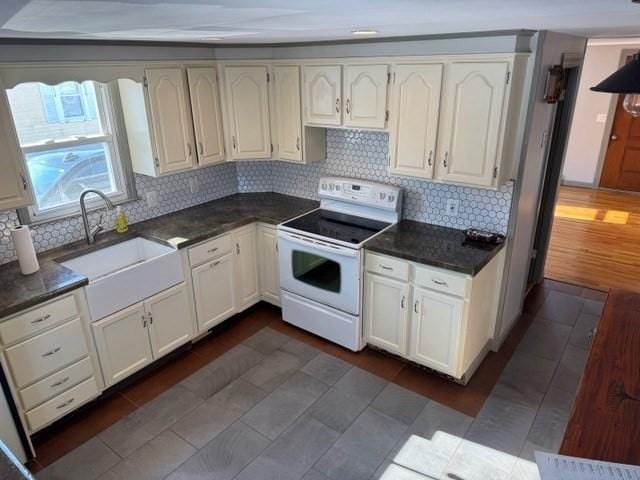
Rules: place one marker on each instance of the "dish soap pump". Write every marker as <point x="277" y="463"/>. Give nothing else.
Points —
<point x="122" y="222"/>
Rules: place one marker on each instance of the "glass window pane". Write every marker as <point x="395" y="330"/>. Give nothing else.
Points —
<point x="316" y="270"/>
<point x="59" y="175"/>
<point x="44" y="113"/>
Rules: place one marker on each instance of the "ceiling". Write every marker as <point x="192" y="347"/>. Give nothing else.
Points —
<point x="277" y="21"/>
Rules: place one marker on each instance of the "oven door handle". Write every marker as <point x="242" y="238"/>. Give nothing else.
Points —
<point x="318" y="245"/>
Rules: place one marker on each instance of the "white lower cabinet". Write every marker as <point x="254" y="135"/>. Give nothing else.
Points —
<point x="386" y="299"/>
<point x="269" y="266"/>
<point x="214" y="289"/>
<point x="247" y="286"/>
<point x="134" y="337"/>
<point x="435" y="330"/>
<point x="438" y="318"/>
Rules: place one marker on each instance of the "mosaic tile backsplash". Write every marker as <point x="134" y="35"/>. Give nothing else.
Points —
<point x="362" y="154"/>
<point x="350" y="153"/>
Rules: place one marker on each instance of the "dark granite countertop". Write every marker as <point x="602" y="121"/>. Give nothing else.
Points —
<point x="433" y="245"/>
<point x="179" y="229"/>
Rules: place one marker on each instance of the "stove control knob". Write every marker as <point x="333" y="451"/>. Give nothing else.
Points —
<point x="391" y="198"/>
<point x="382" y="195"/>
<point x="332" y="186"/>
<point x="337" y="187"/>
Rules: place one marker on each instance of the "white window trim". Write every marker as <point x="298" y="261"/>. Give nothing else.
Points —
<point x="120" y="164"/>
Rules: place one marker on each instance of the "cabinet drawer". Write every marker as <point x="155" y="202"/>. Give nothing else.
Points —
<point x="210" y="250"/>
<point x="55" y="384"/>
<point x="39" y="356"/>
<point x="442" y="280"/>
<point x="38" y="319"/>
<point x="390" y="267"/>
<point x="62" y="404"/>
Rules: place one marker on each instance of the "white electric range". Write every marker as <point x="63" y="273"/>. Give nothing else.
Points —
<point x="321" y="260"/>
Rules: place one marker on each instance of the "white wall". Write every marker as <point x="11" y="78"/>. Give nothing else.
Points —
<point x="589" y="134"/>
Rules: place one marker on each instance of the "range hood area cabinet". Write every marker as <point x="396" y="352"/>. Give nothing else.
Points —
<point x="173" y="120"/>
<point x="262" y="105"/>
<point x="457" y="121"/>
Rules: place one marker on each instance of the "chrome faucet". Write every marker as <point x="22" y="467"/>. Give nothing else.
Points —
<point x="92" y="232"/>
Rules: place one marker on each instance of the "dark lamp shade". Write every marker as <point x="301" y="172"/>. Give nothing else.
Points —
<point x="624" y="80"/>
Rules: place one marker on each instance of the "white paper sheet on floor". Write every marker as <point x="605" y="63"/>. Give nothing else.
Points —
<point x="560" y="467"/>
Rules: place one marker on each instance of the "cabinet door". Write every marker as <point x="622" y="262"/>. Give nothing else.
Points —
<point x="414" y="119"/>
<point x="435" y="330"/>
<point x="169" y="318"/>
<point x="246" y="266"/>
<point x="248" y="106"/>
<point x="365" y="96"/>
<point x="269" y="267"/>
<point x="122" y="340"/>
<point x="323" y="94"/>
<point x="471" y="122"/>
<point x="386" y="305"/>
<point x="287" y="112"/>
<point x="214" y="288"/>
<point x="171" y="119"/>
<point x="207" y="120"/>
<point x="14" y="188"/>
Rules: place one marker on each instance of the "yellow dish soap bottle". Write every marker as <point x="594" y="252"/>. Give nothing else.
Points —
<point x="122" y="222"/>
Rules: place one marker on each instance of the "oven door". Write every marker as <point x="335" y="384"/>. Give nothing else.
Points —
<point x="326" y="273"/>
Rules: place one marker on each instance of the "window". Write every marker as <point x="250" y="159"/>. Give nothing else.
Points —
<point x="69" y="144"/>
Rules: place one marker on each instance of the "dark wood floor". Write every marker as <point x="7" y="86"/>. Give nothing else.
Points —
<point x="61" y="439"/>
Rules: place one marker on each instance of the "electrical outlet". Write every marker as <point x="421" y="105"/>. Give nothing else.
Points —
<point x="152" y="199"/>
<point x="452" y="207"/>
<point x="194" y="186"/>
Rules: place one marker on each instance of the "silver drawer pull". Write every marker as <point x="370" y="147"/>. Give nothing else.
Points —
<point x="384" y="267"/>
<point x="66" y="404"/>
<point x="216" y="263"/>
<point x="51" y="352"/>
<point x="402" y="302"/>
<point x="440" y="282"/>
<point x="211" y="250"/>
<point x="41" y="319"/>
<point x="60" y="382"/>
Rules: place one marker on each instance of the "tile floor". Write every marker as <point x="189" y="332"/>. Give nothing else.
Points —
<point x="266" y="401"/>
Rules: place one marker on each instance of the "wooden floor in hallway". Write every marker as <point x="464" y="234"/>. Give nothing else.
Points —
<point x="595" y="240"/>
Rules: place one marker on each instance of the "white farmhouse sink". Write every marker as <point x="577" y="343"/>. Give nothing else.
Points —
<point x="125" y="273"/>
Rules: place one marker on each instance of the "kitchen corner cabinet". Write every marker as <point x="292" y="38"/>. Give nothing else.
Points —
<point x="134" y="337"/>
<point x="269" y="266"/>
<point x="247" y="99"/>
<point x="248" y="287"/>
<point x="14" y="187"/>
<point x="441" y="319"/>
<point x="207" y="116"/>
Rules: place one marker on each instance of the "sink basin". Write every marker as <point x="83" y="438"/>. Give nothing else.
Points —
<point x="126" y="273"/>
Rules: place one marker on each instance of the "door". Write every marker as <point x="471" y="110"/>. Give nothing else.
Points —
<point x="207" y="120"/>
<point x="326" y="273"/>
<point x="269" y="271"/>
<point x="287" y="111"/>
<point x="122" y="341"/>
<point x="471" y="122"/>
<point x="169" y="319"/>
<point x="414" y="119"/>
<point x="214" y="288"/>
<point x="171" y="119"/>
<point x="14" y="188"/>
<point x="621" y="168"/>
<point x="365" y="96"/>
<point x="435" y="330"/>
<point x="386" y="309"/>
<point x="247" y="284"/>
<point x="248" y="106"/>
<point x="323" y="94"/>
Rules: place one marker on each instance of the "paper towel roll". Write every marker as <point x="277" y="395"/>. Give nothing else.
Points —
<point x="24" y="249"/>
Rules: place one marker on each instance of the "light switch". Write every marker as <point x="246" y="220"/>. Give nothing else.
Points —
<point x="152" y="198"/>
<point x="601" y="118"/>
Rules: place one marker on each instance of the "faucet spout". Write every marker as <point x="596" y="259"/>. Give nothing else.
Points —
<point x="92" y="232"/>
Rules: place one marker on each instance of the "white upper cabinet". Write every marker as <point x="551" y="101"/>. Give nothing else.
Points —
<point x="207" y="119"/>
<point x="171" y="119"/>
<point x="414" y="119"/>
<point x="472" y="122"/>
<point x="287" y="112"/>
<point x="323" y="94"/>
<point x="365" y="96"/>
<point x="14" y="188"/>
<point x="247" y="96"/>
